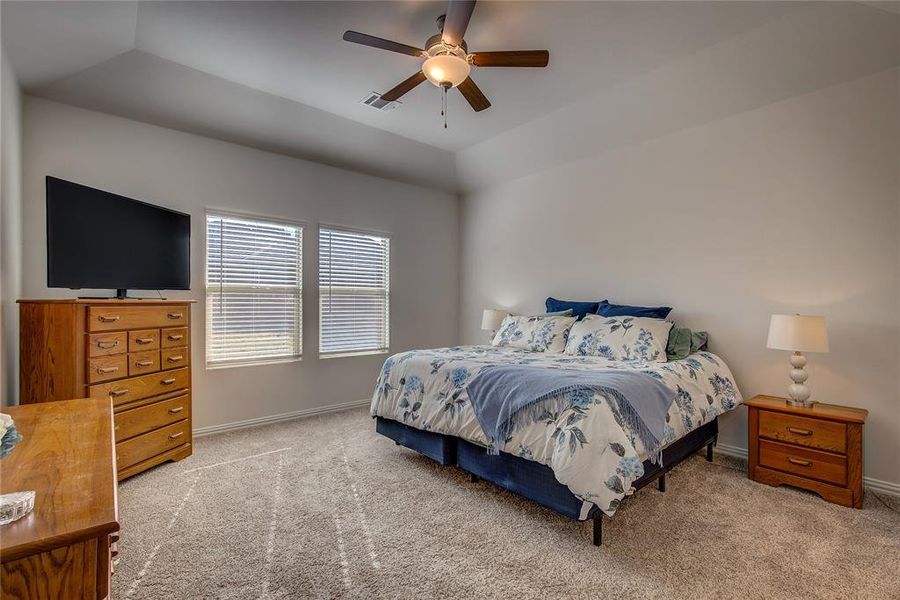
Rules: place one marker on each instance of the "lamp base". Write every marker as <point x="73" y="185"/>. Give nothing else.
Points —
<point x="798" y="392"/>
<point x="799" y="403"/>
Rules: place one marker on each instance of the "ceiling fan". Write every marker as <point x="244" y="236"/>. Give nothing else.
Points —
<point x="447" y="59"/>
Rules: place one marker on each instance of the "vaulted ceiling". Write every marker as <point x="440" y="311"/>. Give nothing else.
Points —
<point x="277" y="75"/>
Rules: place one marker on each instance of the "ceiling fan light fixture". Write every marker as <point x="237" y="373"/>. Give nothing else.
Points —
<point x="446" y="68"/>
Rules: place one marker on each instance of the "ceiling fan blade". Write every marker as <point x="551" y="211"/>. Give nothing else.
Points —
<point x="403" y="87"/>
<point x="458" y="14"/>
<point x="513" y="58"/>
<point x="376" y="42"/>
<point x="473" y="95"/>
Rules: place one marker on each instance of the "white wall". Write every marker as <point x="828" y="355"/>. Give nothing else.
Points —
<point x="792" y="207"/>
<point x="10" y="229"/>
<point x="191" y="173"/>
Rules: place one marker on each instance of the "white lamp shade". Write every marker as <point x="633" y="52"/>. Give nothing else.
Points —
<point x="446" y="68"/>
<point x="491" y="319"/>
<point x="797" y="333"/>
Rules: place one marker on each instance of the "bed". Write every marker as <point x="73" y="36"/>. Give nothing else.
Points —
<point x="581" y="461"/>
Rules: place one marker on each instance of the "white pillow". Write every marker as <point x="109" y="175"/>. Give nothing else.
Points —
<point x="538" y="333"/>
<point x="620" y="338"/>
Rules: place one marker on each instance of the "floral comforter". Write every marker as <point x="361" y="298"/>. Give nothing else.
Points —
<point x="588" y="446"/>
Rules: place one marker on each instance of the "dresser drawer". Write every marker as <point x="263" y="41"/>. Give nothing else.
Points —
<point x="815" y="433"/>
<point x="105" y="344"/>
<point x="105" y="368"/>
<point x="140" y="363"/>
<point x="140" y="340"/>
<point x="174" y="337"/>
<point x="110" y="318"/>
<point x="148" y="445"/>
<point x="144" y="386"/>
<point x="174" y="358"/>
<point x="136" y="421"/>
<point x="812" y="464"/>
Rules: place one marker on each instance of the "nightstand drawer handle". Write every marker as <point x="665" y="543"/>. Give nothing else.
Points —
<point x="105" y="345"/>
<point x="796" y="431"/>
<point x="175" y="315"/>
<point x="148" y="340"/>
<point x="105" y="370"/>
<point x="168" y="381"/>
<point x="176" y="410"/>
<point x="108" y="318"/>
<point x="797" y="461"/>
<point x="175" y="358"/>
<point x="175" y="436"/>
<point x="117" y="393"/>
<point x="175" y="338"/>
<point x="144" y="363"/>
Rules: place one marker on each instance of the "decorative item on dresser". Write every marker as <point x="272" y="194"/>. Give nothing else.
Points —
<point x="799" y="334"/>
<point x="65" y="547"/>
<point x="136" y="352"/>
<point x="817" y="448"/>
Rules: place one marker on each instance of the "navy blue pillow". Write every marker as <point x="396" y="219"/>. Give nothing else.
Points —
<point x="579" y="309"/>
<point x="605" y="309"/>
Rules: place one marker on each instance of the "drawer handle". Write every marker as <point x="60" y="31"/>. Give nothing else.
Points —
<point x="796" y="431"/>
<point x="176" y="410"/>
<point x="144" y="363"/>
<point x="117" y="393"/>
<point x="105" y="370"/>
<point x="168" y="381"/>
<point x="797" y="461"/>
<point x="108" y="318"/>
<point x="144" y="340"/>
<point x="105" y="344"/>
<point x="176" y="315"/>
<point x="178" y="358"/>
<point x="175" y="436"/>
<point x="175" y="338"/>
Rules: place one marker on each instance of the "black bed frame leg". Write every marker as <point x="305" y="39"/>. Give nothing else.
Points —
<point x="598" y="528"/>
<point x="709" y="448"/>
<point x="661" y="483"/>
<point x="473" y="477"/>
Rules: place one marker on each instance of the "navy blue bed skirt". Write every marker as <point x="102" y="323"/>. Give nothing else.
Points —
<point x="525" y="477"/>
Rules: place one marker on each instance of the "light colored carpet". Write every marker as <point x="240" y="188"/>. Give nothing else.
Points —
<point x="326" y="508"/>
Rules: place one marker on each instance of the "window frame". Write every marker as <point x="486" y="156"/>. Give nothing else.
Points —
<point x="301" y="227"/>
<point x="387" y="290"/>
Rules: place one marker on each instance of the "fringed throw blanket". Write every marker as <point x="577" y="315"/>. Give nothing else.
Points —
<point x="507" y="398"/>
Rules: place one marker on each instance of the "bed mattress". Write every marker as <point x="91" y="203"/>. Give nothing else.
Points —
<point x="588" y="446"/>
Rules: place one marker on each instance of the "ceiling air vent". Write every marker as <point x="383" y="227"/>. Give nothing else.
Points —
<point x="374" y="100"/>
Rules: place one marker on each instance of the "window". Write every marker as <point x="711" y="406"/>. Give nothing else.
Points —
<point x="354" y="292"/>
<point x="254" y="289"/>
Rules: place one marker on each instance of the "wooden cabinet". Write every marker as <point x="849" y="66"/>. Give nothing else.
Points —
<point x="65" y="547"/>
<point x="817" y="448"/>
<point x="135" y="352"/>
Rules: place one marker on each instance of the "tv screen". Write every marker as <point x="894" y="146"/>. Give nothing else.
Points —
<point x="96" y="239"/>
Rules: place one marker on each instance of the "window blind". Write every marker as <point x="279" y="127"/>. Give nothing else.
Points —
<point x="354" y="292"/>
<point x="254" y="289"/>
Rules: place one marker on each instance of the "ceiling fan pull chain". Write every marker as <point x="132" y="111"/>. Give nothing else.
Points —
<point x="444" y="107"/>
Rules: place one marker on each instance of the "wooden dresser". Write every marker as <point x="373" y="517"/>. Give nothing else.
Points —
<point x="136" y="352"/>
<point x="817" y="448"/>
<point x="64" y="547"/>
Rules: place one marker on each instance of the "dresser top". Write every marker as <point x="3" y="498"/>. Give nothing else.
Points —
<point x="818" y="410"/>
<point x="65" y="456"/>
<point x="111" y="301"/>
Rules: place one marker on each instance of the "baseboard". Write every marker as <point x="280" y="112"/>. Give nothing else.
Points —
<point x="297" y="414"/>
<point x="876" y="485"/>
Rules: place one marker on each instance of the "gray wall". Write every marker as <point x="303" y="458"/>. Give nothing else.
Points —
<point x="192" y="173"/>
<point x="792" y="207"/>
<point x="10" y="229"/>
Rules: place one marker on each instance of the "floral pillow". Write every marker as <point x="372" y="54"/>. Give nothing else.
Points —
<point x="538" y="333"/>
<point x="620" y="338"/>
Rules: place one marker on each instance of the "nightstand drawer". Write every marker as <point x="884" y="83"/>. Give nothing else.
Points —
<point x="815" y="433"/>
<point x="812" y="464"/>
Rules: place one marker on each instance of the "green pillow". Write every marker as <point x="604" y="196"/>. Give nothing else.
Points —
<point x="698" y="341"/>
<point x="560" y="313"/>
<point x="679" y="345"/>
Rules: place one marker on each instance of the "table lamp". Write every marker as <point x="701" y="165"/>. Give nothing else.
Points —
<point x="799" y="334"/>
<point x="491" y="319"/>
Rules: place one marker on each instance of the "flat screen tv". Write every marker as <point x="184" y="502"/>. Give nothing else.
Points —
<point x="100" y="240"/>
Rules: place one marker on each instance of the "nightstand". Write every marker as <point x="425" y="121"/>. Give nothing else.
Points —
<point x="818" y="448"/>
